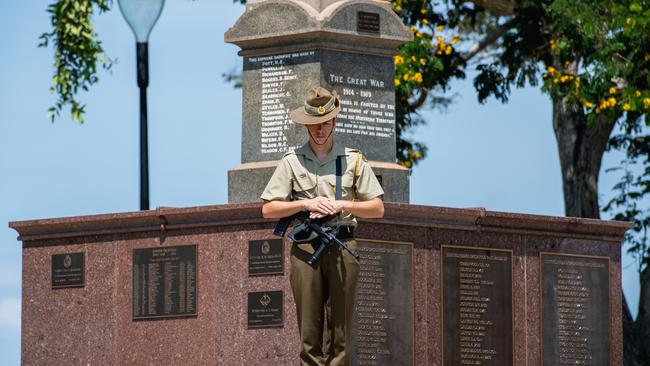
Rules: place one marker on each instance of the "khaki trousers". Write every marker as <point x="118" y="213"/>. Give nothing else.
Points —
<point x="328" y="287"/>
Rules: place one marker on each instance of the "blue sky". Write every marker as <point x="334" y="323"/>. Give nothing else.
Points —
<point x="502" y="157"/>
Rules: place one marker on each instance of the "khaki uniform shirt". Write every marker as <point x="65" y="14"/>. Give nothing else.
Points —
<point x="300" y="175"/>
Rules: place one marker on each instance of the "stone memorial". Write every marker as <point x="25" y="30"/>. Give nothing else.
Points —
<point x="290" y="45"/>
<point x="209" y="285"/>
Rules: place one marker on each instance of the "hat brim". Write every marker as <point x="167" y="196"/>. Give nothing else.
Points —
<point x="299" y="116"/>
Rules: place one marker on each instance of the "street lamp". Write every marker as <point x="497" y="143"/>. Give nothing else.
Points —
<point x="141" y="15"/>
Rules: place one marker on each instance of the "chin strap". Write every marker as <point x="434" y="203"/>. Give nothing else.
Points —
<point x="314" y="140"/>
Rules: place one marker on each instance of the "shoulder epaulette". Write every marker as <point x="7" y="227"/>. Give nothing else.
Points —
<point x="350" y="150"/>
<point x="290" y="152"/>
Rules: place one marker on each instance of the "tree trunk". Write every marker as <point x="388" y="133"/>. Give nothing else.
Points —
<point x="642" y="324"/>
<point x="581" y="151"/>
<point x="630" y="338"/>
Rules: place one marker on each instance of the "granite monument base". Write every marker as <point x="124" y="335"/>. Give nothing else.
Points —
<point x="209" y="285"/>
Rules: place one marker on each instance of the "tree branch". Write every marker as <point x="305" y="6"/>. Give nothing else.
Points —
<point x="487" y="41"/>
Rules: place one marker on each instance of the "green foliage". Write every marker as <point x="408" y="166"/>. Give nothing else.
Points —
<point x="612" y="39"/>
<point x="77" y="52"/>
<point x="632" y="190"/>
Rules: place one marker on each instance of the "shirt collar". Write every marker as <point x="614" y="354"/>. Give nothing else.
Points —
<point x="337" y="150"/>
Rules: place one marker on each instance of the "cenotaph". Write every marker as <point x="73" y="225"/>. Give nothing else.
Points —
<point x="209" y="285"/>
<point x="288" y="46"/>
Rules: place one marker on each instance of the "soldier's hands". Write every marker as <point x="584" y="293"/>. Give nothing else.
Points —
<point x="340" y="205"/>
<point x="320" y="207"/>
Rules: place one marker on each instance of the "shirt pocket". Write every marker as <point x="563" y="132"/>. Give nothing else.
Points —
<point x="304" y="186"/>
<point x="347" y="181"/>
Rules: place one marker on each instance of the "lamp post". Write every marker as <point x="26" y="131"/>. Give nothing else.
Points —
<point x="141" y="15"/>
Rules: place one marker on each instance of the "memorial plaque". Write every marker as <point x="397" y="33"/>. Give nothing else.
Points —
<point x="477" y="319"/>
<point x="575" y="309"/>
<point x="164" y="282"/>
<point x="368" y="22"/>
<point x="276" y="84"/>
<point x="68" y="270"/>
<point x="265" y="257"/>
<point x="265" y="309"/>
<point x="366" y="86"/>
<point x="382" y="330"/>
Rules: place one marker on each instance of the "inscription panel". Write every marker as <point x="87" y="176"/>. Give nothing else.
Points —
<point x="265" y="309"/>
<point x="575" y="309"/>
<point x="265" y="257"/>
<point x="383" y="320"/>
<point x="477" y="314"/>
<point x="368" y="22"/>
<point x="68" y="270"/>
<point x="276" y="84"/>
<point x="273" y="86"/>
<point x="366" y="86"/>
<point x="164" y="282"/>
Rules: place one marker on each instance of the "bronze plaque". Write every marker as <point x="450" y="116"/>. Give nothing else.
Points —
<point x="368" y="22"/>
<point x="477" y="319"/>
<point x="265" y="309"/>
<point x="164" y="282"/>
<point x="382" y="330"/>
<point x="68" y="270"/>
<point x="265" y="257"/>
<point x="575" y="309"/>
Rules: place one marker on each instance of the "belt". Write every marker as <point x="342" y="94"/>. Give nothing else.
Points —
<point x="345" y="232"/>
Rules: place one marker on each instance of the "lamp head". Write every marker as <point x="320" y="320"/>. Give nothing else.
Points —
<point x="141" y="15"/>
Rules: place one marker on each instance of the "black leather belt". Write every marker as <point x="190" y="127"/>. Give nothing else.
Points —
<point x="345" y="232"/>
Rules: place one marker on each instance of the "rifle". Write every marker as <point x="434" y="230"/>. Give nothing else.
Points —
<point x="310" y="230"/>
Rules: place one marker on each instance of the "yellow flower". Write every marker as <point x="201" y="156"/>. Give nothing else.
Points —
<point x="611" y="102"/>
<point x="423" y="61"/>
<point x="646" y="103"/>
<point x="448" y="50"/>
<point x="418" y="34"/>
<point x="626" y="106"/>
<point x="551" y="69"/>
<point x="553" y="44"/>
<point x="647" y="56"/>
<point x="564" y="78"/>
<point x="455" y="39"/>
<point x="413" y="29"/>
<point x="556" y="80"/>
<point x="440" y="28"/>
<point x="423" y="11"/>
<point x="440" y="40"/>
<point x="405" y="77"/>
<point x="417" y="77"/>
<point x="413" y="58"/>
<point x="398" y="8"/>
<point x="628" y="21"/>
<point x="399" y="60"/>
<point x="397" y="82"/>
<point x="425" y="21"/>
<point x="612" y="90"/>
<point x="637" y="93"/>
<point x="588" y="104"/>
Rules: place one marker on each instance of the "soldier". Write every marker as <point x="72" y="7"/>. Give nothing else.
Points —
<point x="307" y="179"/>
